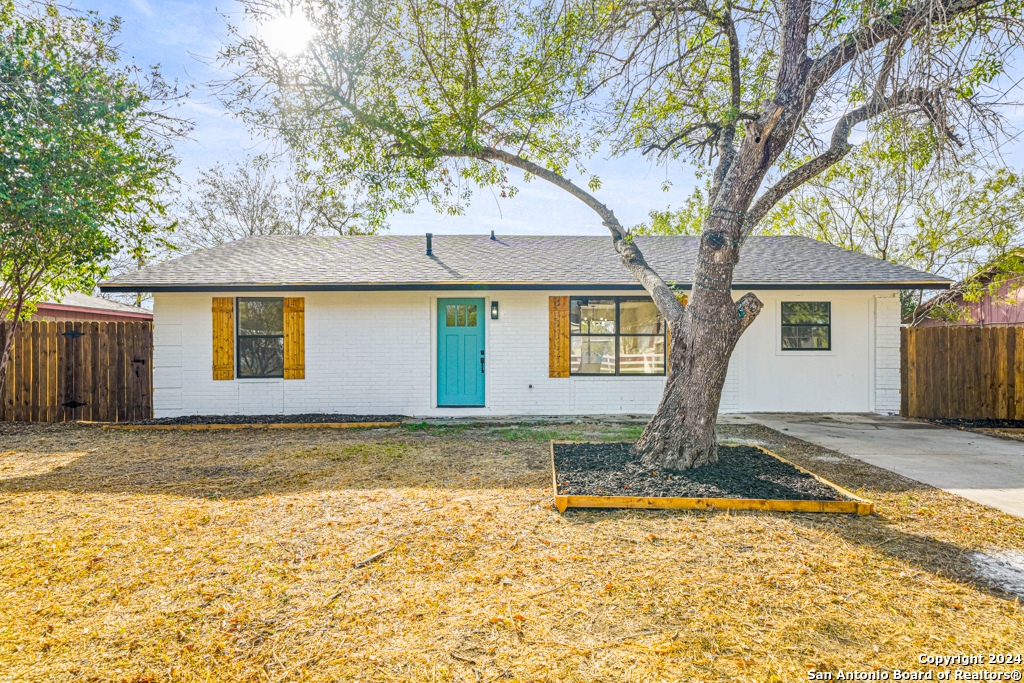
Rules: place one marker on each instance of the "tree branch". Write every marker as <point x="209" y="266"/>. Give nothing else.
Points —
<point x="713" y="126"/>
<point x="838" y="148"/>
<point x="899" y="23"/>
<point x="662" y="294"/>
<point x="358" y="113"/>
<point x="726" y="146"/>
<point x="794" y="63"/>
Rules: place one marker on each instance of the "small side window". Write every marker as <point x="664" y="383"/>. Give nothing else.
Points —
<point x="806" y="326"/>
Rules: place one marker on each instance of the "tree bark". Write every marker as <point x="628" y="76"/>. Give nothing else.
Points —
<point x="17" y="290"/>
<point x="681" y="434"/>
<point x="5" y="356"/>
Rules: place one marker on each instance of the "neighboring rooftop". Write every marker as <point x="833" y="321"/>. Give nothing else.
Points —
<point x="507" y="262"/>
<point x="74" y="306"/>
<point x="80" y="300"/>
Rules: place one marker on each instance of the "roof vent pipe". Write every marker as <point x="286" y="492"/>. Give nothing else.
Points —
<point x="492" y="235"/>
<point x="430" y="244"/>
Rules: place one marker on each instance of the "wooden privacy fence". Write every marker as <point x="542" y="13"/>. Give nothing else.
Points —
<point x="59" y="372"/>
<point x="963" y="372"/>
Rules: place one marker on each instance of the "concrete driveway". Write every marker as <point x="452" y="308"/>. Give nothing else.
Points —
<point x="982" y="468"/>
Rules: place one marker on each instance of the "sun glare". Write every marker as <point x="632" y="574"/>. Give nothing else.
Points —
<point x="290" y="34"/>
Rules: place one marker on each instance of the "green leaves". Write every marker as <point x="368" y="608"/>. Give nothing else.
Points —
<point x="686" y="220"/>
<point x="396" y="99"/>
<point x="80" y="169"/>
<point x="890" y="198"/>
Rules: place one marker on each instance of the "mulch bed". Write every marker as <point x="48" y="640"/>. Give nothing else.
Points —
<point x="318" y="418"/>
<point x="983" y="423"/>
<point x="609" y="469"/>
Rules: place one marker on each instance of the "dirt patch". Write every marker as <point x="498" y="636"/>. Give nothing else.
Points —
<point x="241" y="556"/>
<point x="609" y="469"/>
<point x="304" y="418"/>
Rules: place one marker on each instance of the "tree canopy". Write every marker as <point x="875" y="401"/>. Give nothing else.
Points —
<point x="428" y="99"/>
<point x="84" y="153"/>
<point x="227" y="203"/>
<point x="895" y="203"/>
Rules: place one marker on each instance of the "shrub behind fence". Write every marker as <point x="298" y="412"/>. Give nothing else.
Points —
<point x="60" y="372"/>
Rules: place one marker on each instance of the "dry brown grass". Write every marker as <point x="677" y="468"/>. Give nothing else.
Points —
<point x="213" y="556"/>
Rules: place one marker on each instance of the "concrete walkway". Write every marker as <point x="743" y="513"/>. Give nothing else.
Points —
<point x="982" y="468"/>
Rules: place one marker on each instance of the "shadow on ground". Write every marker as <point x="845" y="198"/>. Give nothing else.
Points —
<point x="926" y="528"/>
<point x="235" y="464"/>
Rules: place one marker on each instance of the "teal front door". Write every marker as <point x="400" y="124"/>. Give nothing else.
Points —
<point x="460" y="352"/>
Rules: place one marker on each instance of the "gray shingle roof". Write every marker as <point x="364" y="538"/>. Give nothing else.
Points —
<point x="476" y="261"/>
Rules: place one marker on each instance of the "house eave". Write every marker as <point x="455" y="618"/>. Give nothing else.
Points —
<point x="491" y="286"/>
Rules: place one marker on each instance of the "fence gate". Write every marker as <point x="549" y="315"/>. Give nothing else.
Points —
<point x="962" y="372"/>
<point x="95" y="371"/>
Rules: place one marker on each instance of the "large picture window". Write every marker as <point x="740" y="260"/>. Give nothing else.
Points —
<point x="615" y="336"/>
<point x="806" y="326"/>
<point x="260" y="337"/>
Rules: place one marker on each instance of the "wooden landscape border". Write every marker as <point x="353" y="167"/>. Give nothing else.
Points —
<point x="275" y="425"/>
<point x="856" y="504"/>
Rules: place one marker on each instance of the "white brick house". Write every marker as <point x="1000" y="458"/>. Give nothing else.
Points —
<point x="505" y="326"/>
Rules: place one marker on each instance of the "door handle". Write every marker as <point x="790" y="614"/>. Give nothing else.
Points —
<point x="481" y="362"/>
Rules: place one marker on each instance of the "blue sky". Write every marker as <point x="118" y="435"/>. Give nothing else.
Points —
<point x="180" y="34"/>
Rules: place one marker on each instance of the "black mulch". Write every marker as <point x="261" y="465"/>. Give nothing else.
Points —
<point x="608" y="469"/>
<point x="983" y="423"/>
<point x="268" y="419"/>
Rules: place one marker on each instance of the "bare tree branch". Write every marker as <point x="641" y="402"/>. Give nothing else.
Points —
<point x="631" y="256"/>
<point x="839" y="147"/>
<point x="726" y="147"/>
<point x="896" y="24"/>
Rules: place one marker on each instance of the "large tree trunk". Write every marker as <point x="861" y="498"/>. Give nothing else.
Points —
<point x="681" y="434"/>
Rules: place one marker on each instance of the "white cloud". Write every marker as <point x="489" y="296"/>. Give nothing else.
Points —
<point x="143" y="6"/>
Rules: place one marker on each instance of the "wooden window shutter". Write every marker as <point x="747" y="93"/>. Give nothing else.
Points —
<point x="223" y="338"/>
<point x="558" y="350"/>
<point x="295" y="338"/>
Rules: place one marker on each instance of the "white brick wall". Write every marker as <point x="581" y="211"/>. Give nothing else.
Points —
<point x="375" y="352"/>
<point x="887" y="353"/>
<point x="730" y="402"/>
<point x="167" y="356"/>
